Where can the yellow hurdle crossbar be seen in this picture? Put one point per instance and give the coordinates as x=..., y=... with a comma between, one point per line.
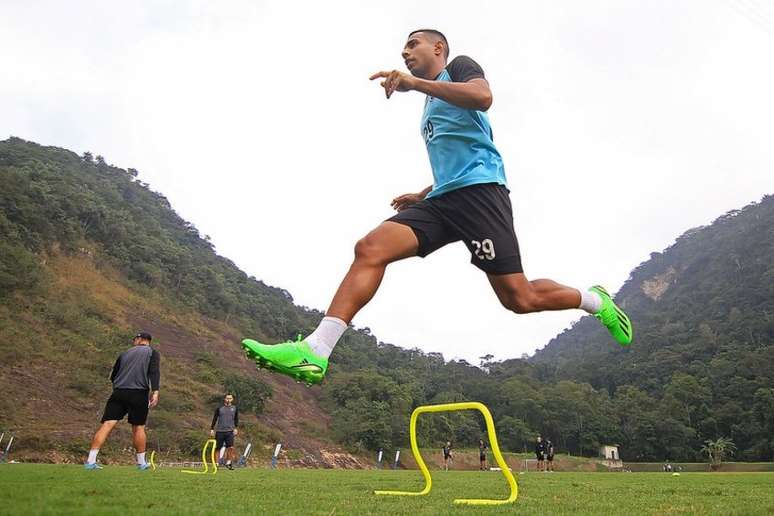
x=490, y=429
x=153, y=460
x=204, y=460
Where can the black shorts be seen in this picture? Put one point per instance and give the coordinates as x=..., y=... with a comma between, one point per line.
x=479, y=215
x=540, y=456
x=127, y=401
x=482, y=457
x=224, y=438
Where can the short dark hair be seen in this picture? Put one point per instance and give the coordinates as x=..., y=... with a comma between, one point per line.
x=439, y=35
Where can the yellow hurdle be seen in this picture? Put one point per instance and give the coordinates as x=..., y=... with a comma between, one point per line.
x=490, y=429
x=204, y=460
x=153, y=460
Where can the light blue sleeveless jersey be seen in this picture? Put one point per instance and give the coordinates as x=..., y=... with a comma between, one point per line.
x=459, y=143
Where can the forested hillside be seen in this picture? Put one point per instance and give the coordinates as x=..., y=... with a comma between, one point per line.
x=89, y=254
x=702, y=364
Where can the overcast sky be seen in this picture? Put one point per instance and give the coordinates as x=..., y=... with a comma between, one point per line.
x=621, y=123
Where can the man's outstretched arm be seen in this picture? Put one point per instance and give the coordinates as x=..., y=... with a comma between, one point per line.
x=473, y=94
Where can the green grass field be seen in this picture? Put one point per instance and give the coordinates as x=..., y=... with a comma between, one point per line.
x=59, y=489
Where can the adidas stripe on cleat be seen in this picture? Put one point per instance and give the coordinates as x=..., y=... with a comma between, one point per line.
x=613, y=318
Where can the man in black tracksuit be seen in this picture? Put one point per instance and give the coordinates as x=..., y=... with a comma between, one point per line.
x=540, y=453
x=135, y=376
x=224, y=427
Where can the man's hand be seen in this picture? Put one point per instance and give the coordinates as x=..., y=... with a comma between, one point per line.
x=395, y=81
x=154, y=399
x=236, y=432
x=212, y=433
x=402, y=202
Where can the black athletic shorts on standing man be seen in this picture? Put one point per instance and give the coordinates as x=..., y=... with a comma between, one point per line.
x=479, y=215
x=224, y=438
x=127, y=401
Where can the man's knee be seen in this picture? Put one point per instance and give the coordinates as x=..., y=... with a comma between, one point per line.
x=109, y=424
x=369, y=250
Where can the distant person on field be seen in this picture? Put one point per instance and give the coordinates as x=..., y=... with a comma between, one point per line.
x=549, y=455
x=540, y=453
x=447, y=455
x=482, y=455
x=224, y=428
x=135, y=376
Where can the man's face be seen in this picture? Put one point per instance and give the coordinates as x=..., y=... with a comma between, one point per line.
x=540, y=439
x=228, y=400
x=419, y=54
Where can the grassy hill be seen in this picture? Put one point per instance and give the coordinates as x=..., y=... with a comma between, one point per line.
x=81, y=269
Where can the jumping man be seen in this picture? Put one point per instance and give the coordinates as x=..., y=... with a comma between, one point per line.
x=468, y=201
x=135, y=373
x=224, y=427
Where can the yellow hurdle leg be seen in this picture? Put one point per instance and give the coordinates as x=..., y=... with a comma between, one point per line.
x=490, y=428
x=212, y=456
x=417, y=457
x=204, y=460
x=153, y=460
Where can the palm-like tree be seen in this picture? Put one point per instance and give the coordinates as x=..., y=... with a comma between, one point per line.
x=718, y=450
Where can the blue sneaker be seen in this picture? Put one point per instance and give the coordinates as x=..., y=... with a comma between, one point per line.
x=93, y=465
x=143, y=467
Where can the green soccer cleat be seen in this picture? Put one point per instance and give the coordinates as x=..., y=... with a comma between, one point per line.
x=294, y=359
x=614, y=319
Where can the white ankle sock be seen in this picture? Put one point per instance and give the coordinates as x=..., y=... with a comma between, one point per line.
x=141, y=458
x=92, y=456
x=590, y=301
x=324, y=338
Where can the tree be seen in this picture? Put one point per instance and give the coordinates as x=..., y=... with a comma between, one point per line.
x=717, y=450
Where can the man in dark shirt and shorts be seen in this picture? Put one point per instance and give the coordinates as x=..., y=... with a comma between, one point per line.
x=224, y=427
x=482, y=455
x=549, y=455
x=447, y=455
x=135, y=373
x=540, y=454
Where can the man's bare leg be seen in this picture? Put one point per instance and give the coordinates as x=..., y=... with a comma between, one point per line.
x=138, y=438
x=522, y=296
x=102, y=434
x=307, y=359
x=388, y=243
